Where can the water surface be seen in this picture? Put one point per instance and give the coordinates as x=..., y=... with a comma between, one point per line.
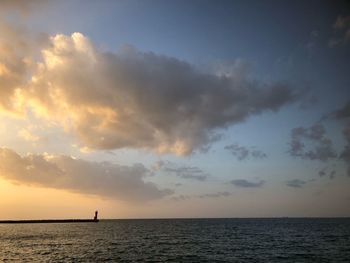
x=179, y=240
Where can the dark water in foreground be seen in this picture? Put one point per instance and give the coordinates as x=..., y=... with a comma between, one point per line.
x=179, y=240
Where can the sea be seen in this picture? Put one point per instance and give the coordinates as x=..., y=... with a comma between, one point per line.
x=179, y=240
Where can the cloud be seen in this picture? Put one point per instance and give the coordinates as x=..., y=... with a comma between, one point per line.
x=134, y=99
x=215, y=195
x=345, y=156
x=319, y=145
x=342, y=22
x=17, y=51
x=63, y=172
x=247, y=184
x=341, y=30
x=184, y=172
x=257, y=154
x=343, y=115
x=243, y=153
x=202, y=196
x=27, y=135
x=296, y=183
x=323, y=172
x=181, y=197
x=313, y=144
x=23, y=6
x=311, y=45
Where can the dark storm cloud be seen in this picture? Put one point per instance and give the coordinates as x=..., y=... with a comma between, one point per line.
x=320, y=146
x=63, y=172
x=243, y=153
x=184, y=172
x=296, y=183
x=247, y=184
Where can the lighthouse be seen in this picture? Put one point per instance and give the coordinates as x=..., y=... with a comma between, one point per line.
x=95, y=217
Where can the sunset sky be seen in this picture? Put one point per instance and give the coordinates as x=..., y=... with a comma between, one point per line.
x=148, y=109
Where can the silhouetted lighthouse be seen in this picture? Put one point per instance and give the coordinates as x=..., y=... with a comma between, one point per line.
x=95, y=217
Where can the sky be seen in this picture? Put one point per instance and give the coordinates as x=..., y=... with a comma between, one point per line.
x=172, y=109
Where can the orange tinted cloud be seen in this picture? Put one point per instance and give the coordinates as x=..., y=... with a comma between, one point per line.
x=137, y=100
x=104, y=179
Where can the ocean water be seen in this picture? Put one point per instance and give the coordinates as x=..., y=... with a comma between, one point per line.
x=179, y=240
